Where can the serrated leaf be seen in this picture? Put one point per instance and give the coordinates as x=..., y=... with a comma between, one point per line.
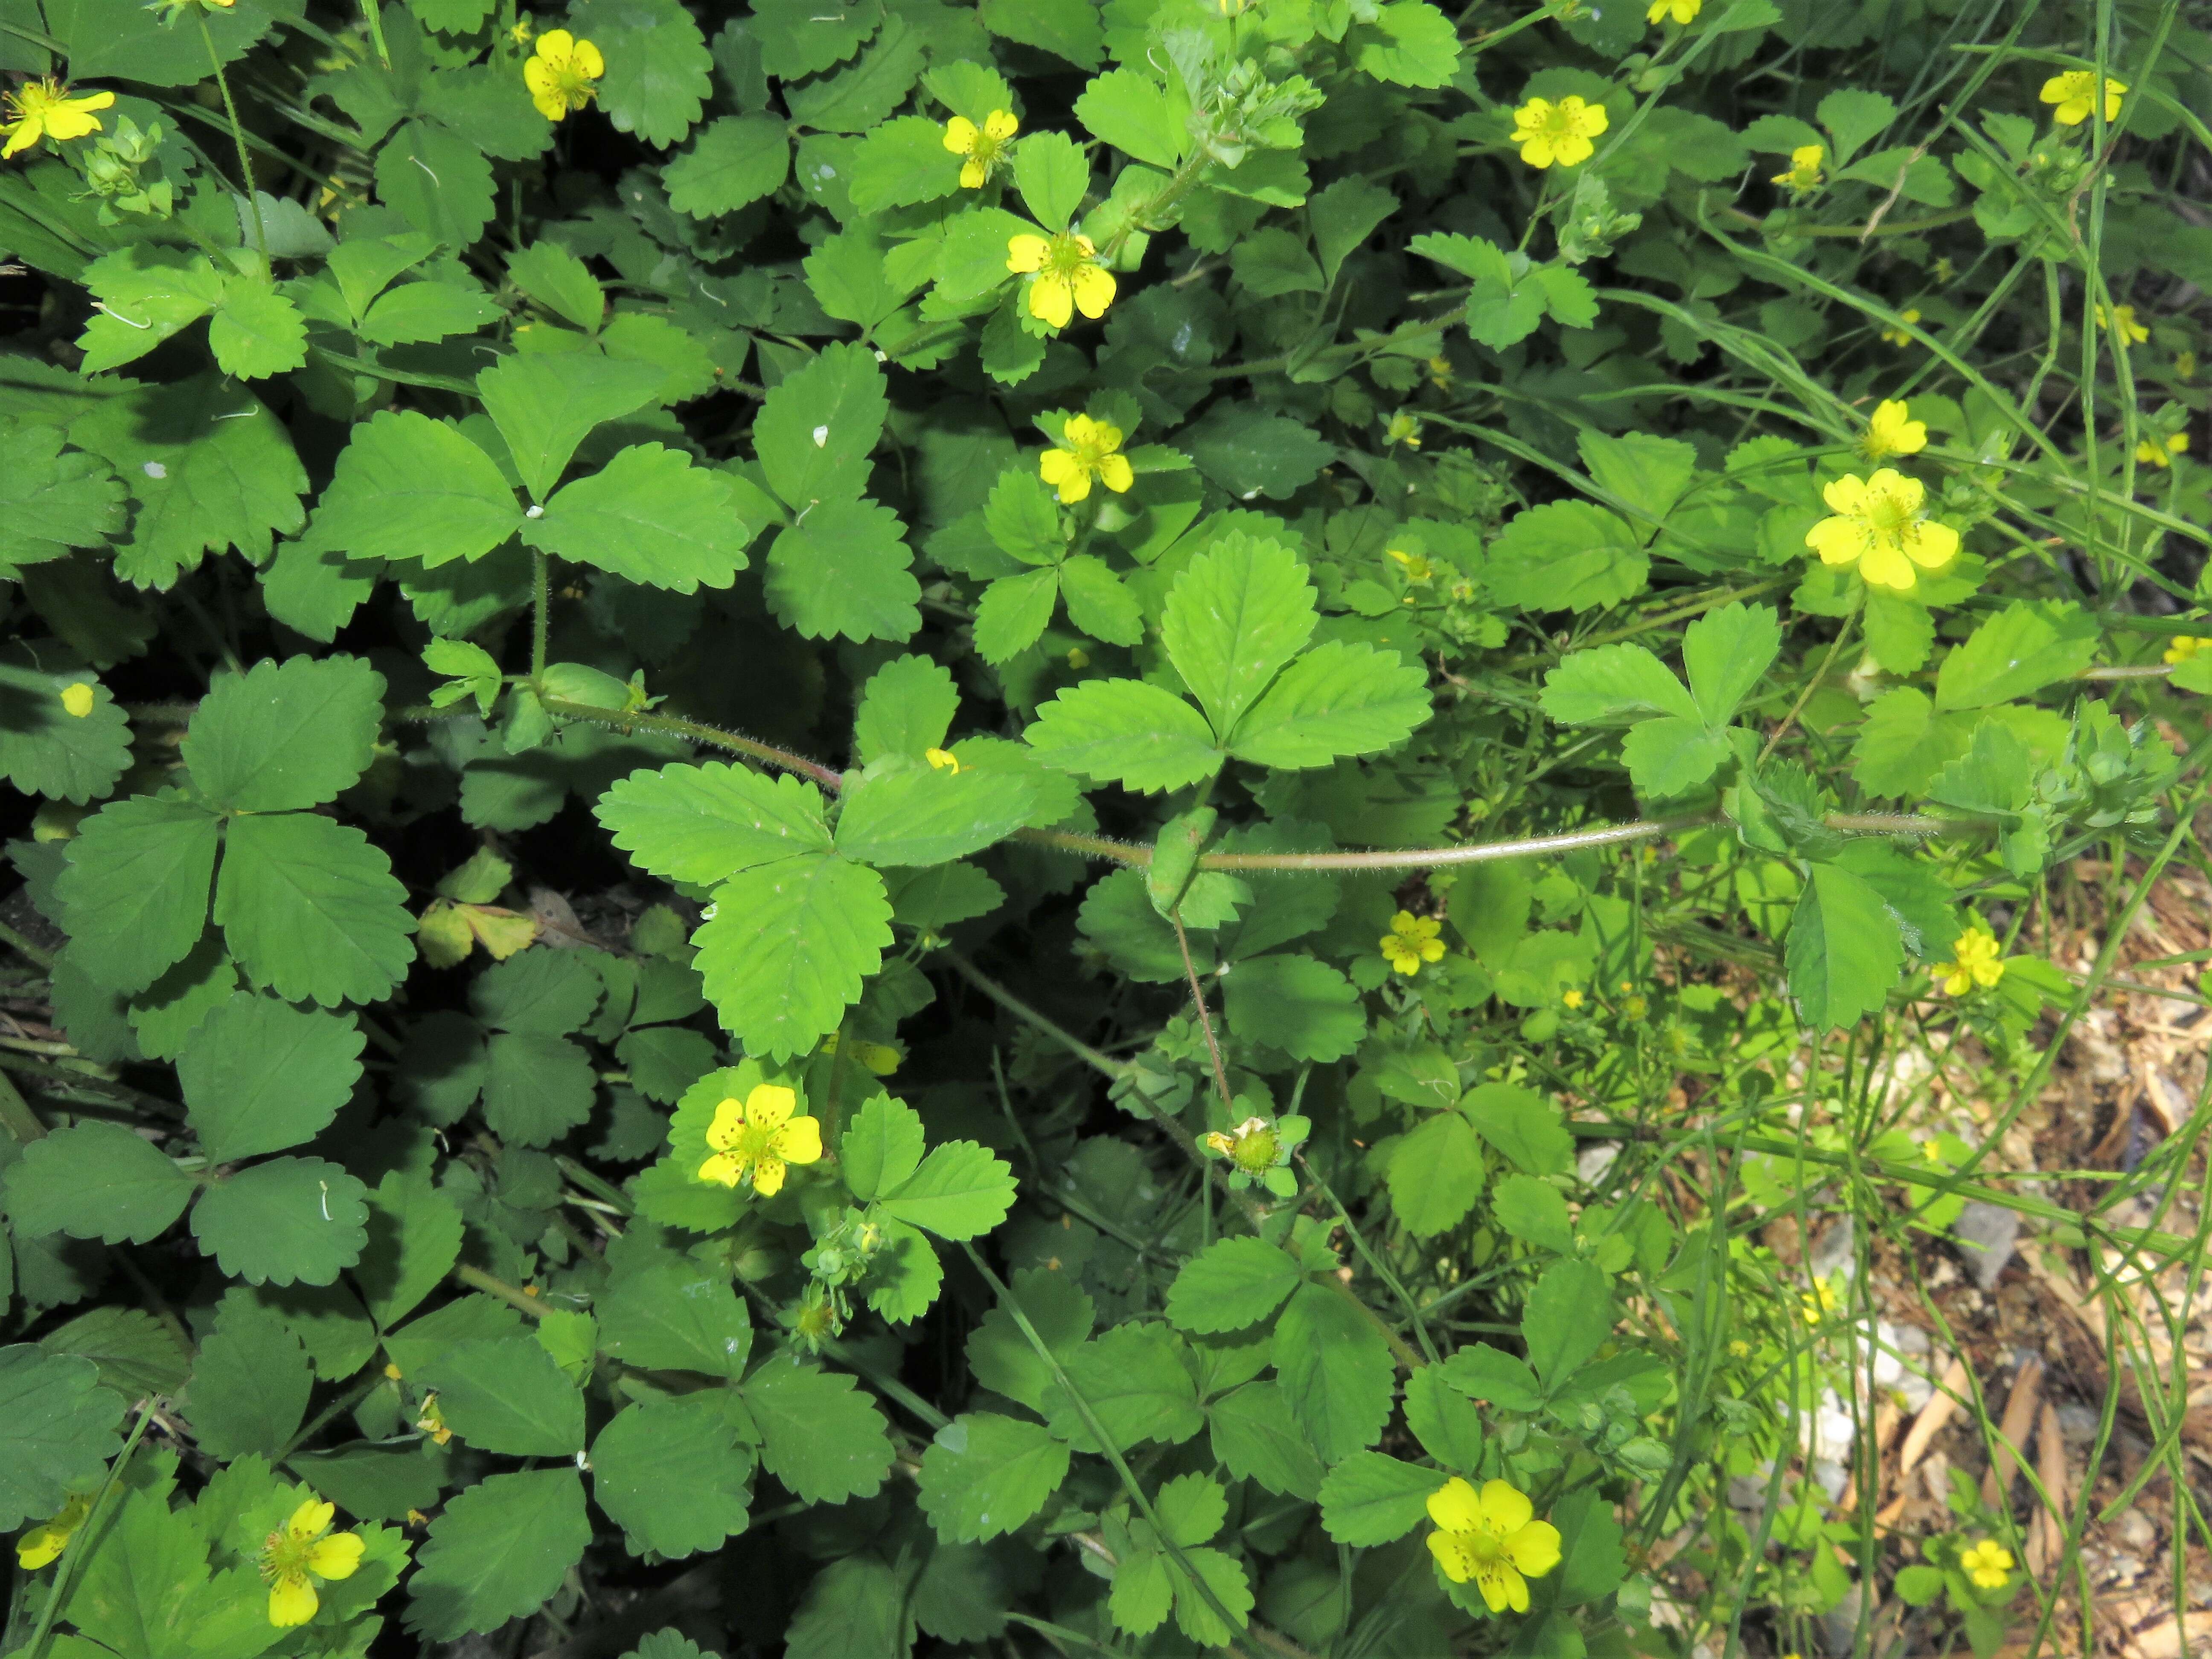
x=1444, y=1420
x=671, y=1474
x=961, y=1191
x=289, y=1221
x=1053, y=176
x=1235, y=616
x=256, y=332
x=921, y=815
x=1726, y=653
x=250, y=1382
x=311, y=909
x=1127, y=732
x=56, y=1430
x=704, y=824
x=135, y=895
x=499, y=1551
x=536, y=1087
x=1409, y=44
x=507, y=1395
x=1905, y=742
x=985, y=1475
x=1483, y=1372
x=733, y=161
x=1522, y=1125
x=52, y=499
x=1231, y=1284
x=436, y=179
x=650, y=516
x=1335, y=1372
x=545, y=406
x=789, y=947
x=1843, y=952
x=1613, y=683
x=1134, y=113
x=881, y=1147
x=675, y=1316
x=1247, y=451
x=414, y=1239
x=657, y=61
x=1566, y=556
x=1852, y=116
x=1436, y=1173
x=285, y=735
x=1338, y=699
x=259, y=1075
x=906, y=709
x=1001, y=1356
x=1646, y=474
x=408, y=487
x=1254, y=1435
x=816, y=430
x=1296, y=1004
x=1371, y=1498
x=819, y=1435
x=1568, y=1318
x=845, y=570
x=2021, y=649
x=1669, y=757
x=1013, y=611
x=45, y=749
x=856, y=97
x=95, y=1180
x=557, y=280
x=1133, y=1380
x=136, y=1353
x=415, y=313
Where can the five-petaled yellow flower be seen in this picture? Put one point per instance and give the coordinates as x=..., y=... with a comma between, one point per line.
x=77, y=699
x=1091, y=451
x=1684, y=12
x=1558, y=133
x=2151, y=453
x=1898, y=335
x=1878, y=526
x=2072, y=92
x=44, y=109
x=1066, y=276
x=941, y=760
x=561, y=73
x=2123, y=316
x=1988, y=1563
x=982, y=145
x=1977, y=960
x=759, y=1138
x=1492, y=1538
x=2182, y=648
x=1571, y=998
x=1889, y=432
x=46, y=1540
x=522, y=32
x=298, y=1553
x=1412, y=941
x=1804, y=171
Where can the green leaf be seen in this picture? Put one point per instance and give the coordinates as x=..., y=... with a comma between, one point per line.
x=704, y=824
x=136, y=1353
x=1066, y=28
x=546, y=991
x=845, y=569
x=819, y=1435
x=536, y=1087
x=1409, y=44
x=53, y=499
x=1569, y=1316
x=135, y=895
x=1334, y=1370
x=906, y=709
x=95, y=1180
x=289, y=1221
x=1443, y=1419
x=415, y=313
x=1646, y=474
x=507, y=1395
x=256, y=332
x=1014, y=611
x=1127, y=732
x=1853, y=116
x=797, y=37
x=853, y=281
x=1246, y=451
x=1255, y=1437
x=1296, y=1004
x=675, y=1316
x=1144, y=1591
x=1726, y=653
x=1136, y=1384
x=1231, y=1284
x=1436, y=1173
x=857, y=98
x=250, y=1382
x=1522, y=1125
x=1344, y=216
x=311, y=909
x=285, y=735
x=1591, y=1560
x=1919, y=899
x=1371, y=1498
x=438, y=181
x=1670, y=756
x=649, y=516
x=57, y=1431
x=1482, y=1372
x=1135, y=114
x=499, y=1551
x=545, y=406
x=985, y=1475
x=816, y=430
x=881, y=1147
x=961, y=1191
x=45, y=750
x=733, y=161
x=1905, y=742
x=1099, y=602
x=788, y=947
x=1613, y=683
x=921, y=814
x=408, y=487
x=140, y=1572
x=414, y=1239
x=557, y=280
x=1235, y=616
x=260, y=1075
x=656, y=82
x=1002, y=1357
x=1845, y=951
x=1338, y=699
x=1566, y=556
x=902, y=163
x=2021, y=649
x=145, y=296
x=1053, y=176
x=671, y=1474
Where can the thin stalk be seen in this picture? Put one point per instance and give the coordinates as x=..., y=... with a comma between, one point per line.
x=237, y=136
x=541, y=609
x=17, y=942
x=1204, y=1019
x=16, y=1113
x=86, y=1533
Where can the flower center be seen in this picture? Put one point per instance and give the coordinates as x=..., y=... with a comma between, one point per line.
x=1889, y=516
x=753, y=1141
x=1065, y=254
x=1255, y=1150
x=283, y=1556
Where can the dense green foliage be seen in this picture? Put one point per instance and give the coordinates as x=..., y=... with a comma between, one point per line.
x=697, y=690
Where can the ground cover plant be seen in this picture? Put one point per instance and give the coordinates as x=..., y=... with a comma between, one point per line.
x=861, y=827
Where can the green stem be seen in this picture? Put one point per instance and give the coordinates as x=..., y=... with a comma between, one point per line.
x=16, y=1112
x=640, y=721
x=376, y=32
x=237, y=136
x=85, y=1535
x=15, y=941
x=541, y=607
x=1013, y=1005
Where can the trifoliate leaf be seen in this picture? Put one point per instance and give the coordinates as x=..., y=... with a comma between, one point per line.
x=845, y=569
x=134, y=897
x=1566, y=556
x=819, y=1435
x=57, y=1431
x=545, y=406
x=1127, y=732
x=507, y=1395
x=292, y=1220
x=1905, y=742
x=1669, y=757
x=985, y=1475
x=1334, y=1370
x=1338, y=699
x=789, y=947
x=733, y=161
x=1134, y=1381
x=250, y=1381
x=1370, y=1498
x=657, y=61
x=1231, y=1284
x=312, y=910
x=671, y=1474
x=1296, y=1004
x=961, y=1191
x=499, y=1550
x=259, y=1075
x=676, y=1316
x=1013, y=611
x=285, y=735
x=437, y=180
x=648, y=516
x=704, y=824
x=1843, y=952
x=1237, y=613
x=48, y=749
x=917, y=814
x=256, y=332
x=52, y=499
x=95, y=1180
x=816, y=430
x=408, y=487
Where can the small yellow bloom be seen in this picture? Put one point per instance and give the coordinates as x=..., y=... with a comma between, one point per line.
x=1066, y=276
x=560, y=75
x=760, y=1138
x=2130, y=330
x=1804, y=174
x=1878, y=526
x=942, y=760
x=1440, y=373
x=1684, y=12
x=1817, y=1304
x=2182, y=648
x=391, y=1373
x=2185, y=365
x=77, y=699
x=1492, y=1538
x=432, y=1421
x=1419, y=571
x=1560, y=133
x=1078, y=657
x=1898, y=335
x=44, y=109
x=983, y=146
x=2150, y=453
x=522, y=32
x=1404, y=428
x=46, y=1540
x=1977, y=961
x=297, y=1554
x=1412, y=941
x=1890, y=433
x=2073, y=93
x=1092, y=452
x=1988, y=1563
x=1571, y=998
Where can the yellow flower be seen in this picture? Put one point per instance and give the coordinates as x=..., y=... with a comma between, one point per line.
x=2130, y=330
x=298, y=1553
x=1977, y=961
x=2183, y=648
x=560, y=74
x=44, y=109
x=1412, y=941
x=1092, y=452
x=1440, y=373
x=1492, y=1539
x=1404, y=428
x=941, y=760
x=982, y=146
x=522, y=32
x=1889, y=433
x=432, y=1421
x=77, y=699
x=1561, y=132
x=1898, y=335
x=46, y=1540
x=1684, y=12
x=760, y=1137
x=1818, y=1302
x=2149, y=451
x=1804, y=171
x=1879, y=527
x=1419, y=571
x=2073, y=91
x=1571, y=998
x=1987, y=1562
x=1066, y=276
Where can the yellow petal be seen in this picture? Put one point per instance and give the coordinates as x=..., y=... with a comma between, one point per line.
x=1026, y=253
x=337, y=1556
x=1491, y=1580
x=1051, y=301
x=36, y=1547
x=292, y=1601
x=724, y=1168
x=1057, y=466
x=972, y=174
x=1890, y=481
x=556, y=44
x=1094, y=291
x=768, y=1177
x=1454, y=1506
x=770, y=1104
x=1505, y=1508
x=1932, y=545
x=798, y=1141
x=1080, y=430
x=1535, y=1548
x=960, y=136
x=1000, y=125
x=1538, y=152
x=588, y=60
x=1115, y=473
x=312, y=1518
x=1844, y=494
x=77, y=699
x=539, y=76
x=1884, y=565
x=729, y=1123
x=551, y=106
x=1453, y=1556
x=24, y=134
x=1837, y=541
